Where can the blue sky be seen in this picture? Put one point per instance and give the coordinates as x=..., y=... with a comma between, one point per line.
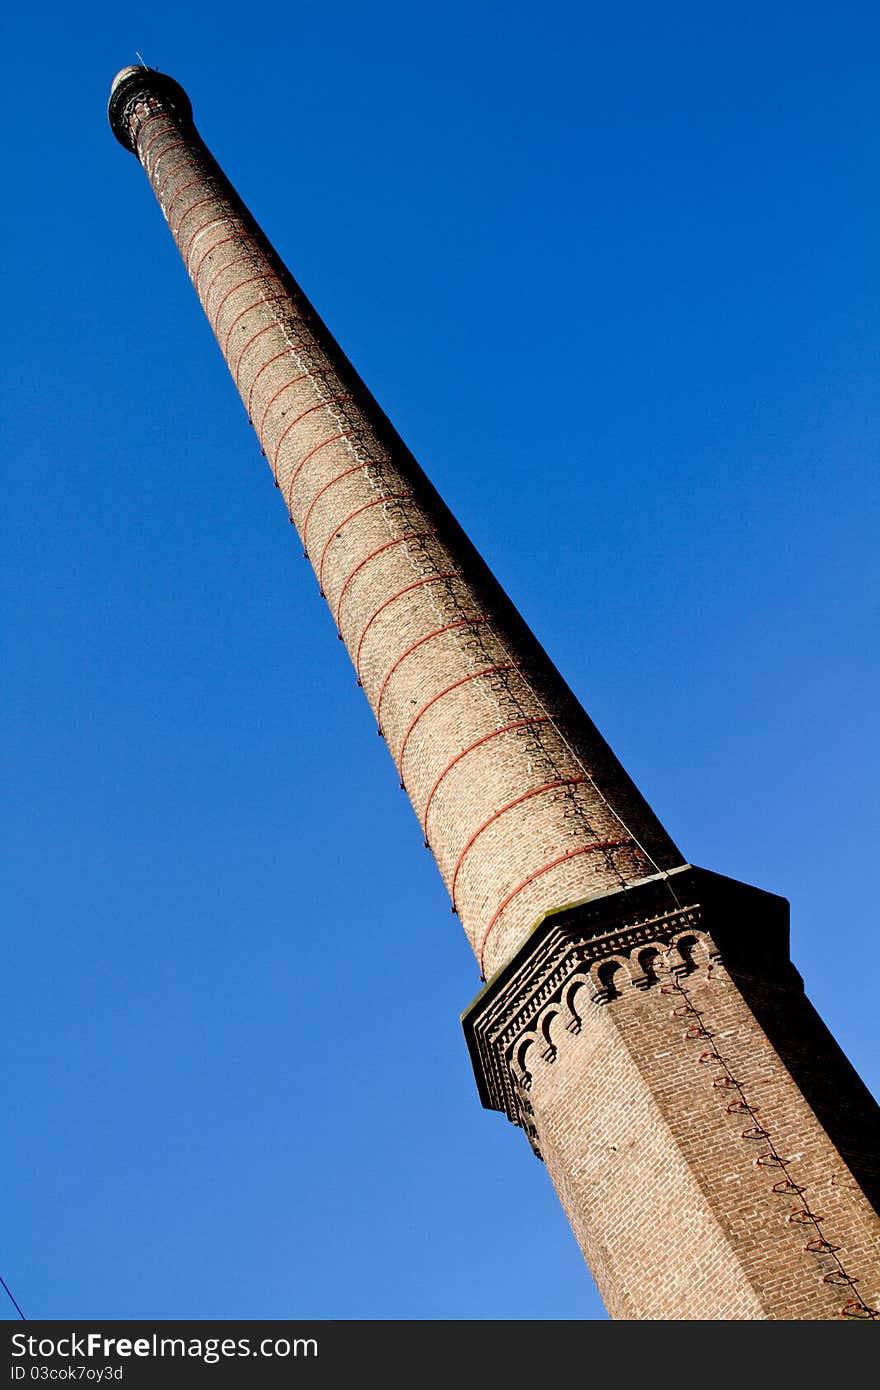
x=237, y=1083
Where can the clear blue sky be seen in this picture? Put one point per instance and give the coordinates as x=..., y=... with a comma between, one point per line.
x=237, y=1086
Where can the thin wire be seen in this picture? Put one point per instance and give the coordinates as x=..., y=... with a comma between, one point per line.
x=9, y=1291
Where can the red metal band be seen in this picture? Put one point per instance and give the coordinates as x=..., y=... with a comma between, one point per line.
x=356, y=468
x=429, y=579
x=545, y=869
x=331, y=400
x=180, y=192
x=221, y=270
x=224, y=241
x=156, y=116
x=294, y=381
x=199, y=204
x=375, y=502
x=184, y=251
x=251, y=280
x=505, y=729
x=399, y=540
x=474, y=675
x=161, y=184
x=517, y=801
x=429, y=636
x=258, y=304
x=343, y=434
x=267, y=327
x=178, y=145
x=142, y=155
x=291, y=347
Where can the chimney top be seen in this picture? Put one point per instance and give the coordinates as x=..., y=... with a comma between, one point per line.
x=140, y=81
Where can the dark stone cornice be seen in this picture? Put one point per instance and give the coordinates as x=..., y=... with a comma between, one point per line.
x=748, y=929
x=137, y=84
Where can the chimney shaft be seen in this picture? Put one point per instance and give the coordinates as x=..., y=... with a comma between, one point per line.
x=520, y=799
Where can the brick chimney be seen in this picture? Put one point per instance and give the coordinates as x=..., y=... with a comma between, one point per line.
x=642, y=1021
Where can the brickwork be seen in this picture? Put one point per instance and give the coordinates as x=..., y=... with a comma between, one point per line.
x=697, y=1177
x=741, y=1169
